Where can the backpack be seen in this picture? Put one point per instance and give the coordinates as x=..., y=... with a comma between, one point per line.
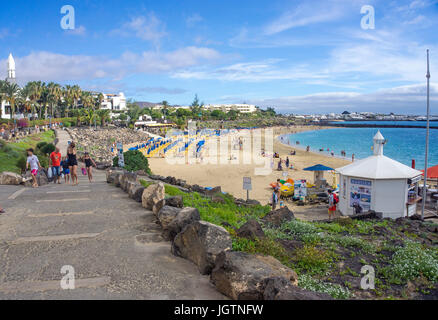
x=335, y=199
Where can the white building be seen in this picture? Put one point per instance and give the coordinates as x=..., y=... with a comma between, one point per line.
x=379, y=183
x=114, y=101
x=10, y=77
x=242, y=108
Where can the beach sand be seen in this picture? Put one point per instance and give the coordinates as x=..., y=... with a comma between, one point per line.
x=230, y=176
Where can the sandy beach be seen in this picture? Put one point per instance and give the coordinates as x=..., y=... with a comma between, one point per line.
x=230, y=176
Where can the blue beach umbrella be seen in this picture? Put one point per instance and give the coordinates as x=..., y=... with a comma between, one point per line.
x=318, y=167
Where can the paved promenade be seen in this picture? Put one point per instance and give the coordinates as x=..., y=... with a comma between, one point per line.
x=113, y=244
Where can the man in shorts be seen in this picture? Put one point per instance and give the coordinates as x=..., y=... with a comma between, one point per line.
x=332, y=204
x=34, y=163
x=55, y=159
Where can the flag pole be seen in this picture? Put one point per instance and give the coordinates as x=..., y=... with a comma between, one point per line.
x=427, y=141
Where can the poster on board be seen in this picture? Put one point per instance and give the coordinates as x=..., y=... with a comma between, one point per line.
x=360, y=194
x=300, y=188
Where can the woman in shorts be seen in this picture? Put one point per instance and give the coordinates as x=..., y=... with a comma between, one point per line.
x=73, y=163
x=89, y=163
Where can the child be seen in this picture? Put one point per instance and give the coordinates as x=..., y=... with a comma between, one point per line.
x=89, y=163
x=34, y=163
x=65, y=170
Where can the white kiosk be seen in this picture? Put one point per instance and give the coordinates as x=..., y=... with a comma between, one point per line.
x=378, y=183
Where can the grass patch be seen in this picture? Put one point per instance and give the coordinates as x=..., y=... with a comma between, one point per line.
x=313, y=260
x=12, y=153
x=215, y=212
x=264, y=247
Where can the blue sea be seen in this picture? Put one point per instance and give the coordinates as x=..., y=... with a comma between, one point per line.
x=403, y=144
x=393, y=123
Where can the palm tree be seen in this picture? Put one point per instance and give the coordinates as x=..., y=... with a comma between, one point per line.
x=165, y=107
x=44, y=100
x=54, y=96
x=35, y=88
x=76, y=94
x=2, y=94
x=68, y=98
x=104, y=115
x=24, y=99
x=88, y=104
x=11, y=91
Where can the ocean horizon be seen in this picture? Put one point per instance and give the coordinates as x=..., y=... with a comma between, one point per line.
x=403, y=144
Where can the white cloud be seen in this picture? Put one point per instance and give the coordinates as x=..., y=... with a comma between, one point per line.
x=49, y=66
x=148, y=28
x=306, y=13
x=264, y=70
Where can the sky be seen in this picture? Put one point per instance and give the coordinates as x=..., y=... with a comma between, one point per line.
x=301, y=57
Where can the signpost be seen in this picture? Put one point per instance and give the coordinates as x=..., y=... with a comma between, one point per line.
x=120, y=154
x=427, y=140
x=247, y=185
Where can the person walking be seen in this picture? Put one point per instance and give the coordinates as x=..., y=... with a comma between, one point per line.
x=274, y=199
x=89, y=163
x=65, y=170
x=55, y=161
x=287, y=162
x=73, y=163
x=34, y=163
x=332, y=204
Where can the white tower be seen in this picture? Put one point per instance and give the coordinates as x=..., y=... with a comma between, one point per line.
x=11, y=69
x=379, y=141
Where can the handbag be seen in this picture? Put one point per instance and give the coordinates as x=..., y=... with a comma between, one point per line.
x=84, y=171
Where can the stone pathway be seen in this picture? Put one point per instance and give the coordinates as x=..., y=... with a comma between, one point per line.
x=113, y=244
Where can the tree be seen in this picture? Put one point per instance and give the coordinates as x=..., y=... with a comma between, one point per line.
x=76, y=94
x=165, y=110
x=218, y=114
x=104, y=115
x=54, y=96
x=11, y=92
x=2, y=94
x=134, y=111
x=232, y=114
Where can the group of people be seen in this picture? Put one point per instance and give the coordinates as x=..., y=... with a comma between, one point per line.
x=60, y=166
x=286, y=162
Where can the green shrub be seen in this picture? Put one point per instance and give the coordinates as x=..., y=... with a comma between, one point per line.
x=412, y=261
x=134, y=161
x=335, y=290
x=41, y=145
x=21, y=163
x=66, y=124
x=48, y=148
x=313, y=260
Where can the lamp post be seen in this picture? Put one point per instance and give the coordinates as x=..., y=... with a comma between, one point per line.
x=427, y=140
